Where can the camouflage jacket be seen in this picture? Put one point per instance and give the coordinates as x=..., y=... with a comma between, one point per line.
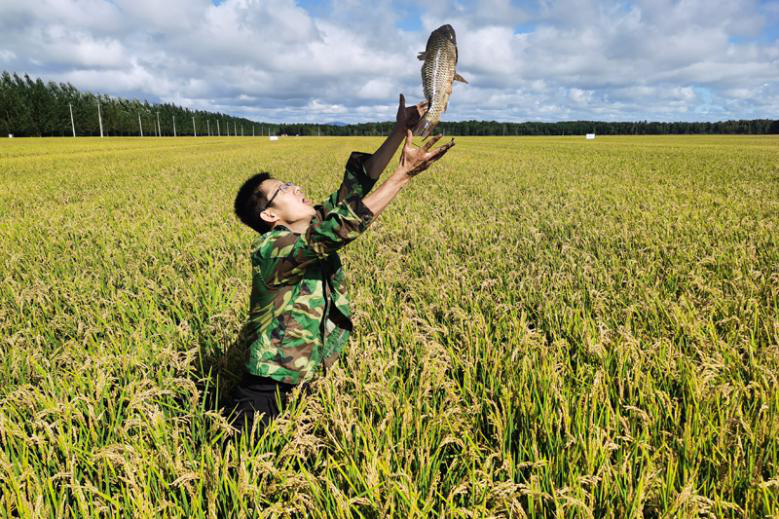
x=299, y=317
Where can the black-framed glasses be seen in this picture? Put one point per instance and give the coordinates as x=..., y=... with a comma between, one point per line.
x=282, y=188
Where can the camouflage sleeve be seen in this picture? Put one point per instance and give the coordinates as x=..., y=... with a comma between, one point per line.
x=284, y=259
x=356, y=181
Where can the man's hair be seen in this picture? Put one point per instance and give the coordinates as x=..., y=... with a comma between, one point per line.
x=250, y=201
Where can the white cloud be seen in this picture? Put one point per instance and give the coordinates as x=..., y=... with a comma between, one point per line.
x=274, y=60
x=60, y=45
x=579, y=96
x=377, y=89
x=324, y=108
x=741, y=93
x=7, y=55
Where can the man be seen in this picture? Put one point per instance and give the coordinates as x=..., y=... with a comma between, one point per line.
x=299, y=318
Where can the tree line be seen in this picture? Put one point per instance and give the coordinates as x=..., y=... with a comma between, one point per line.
x=30, y=107
x=751, y=127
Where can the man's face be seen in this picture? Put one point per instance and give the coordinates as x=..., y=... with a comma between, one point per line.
x=289, y=204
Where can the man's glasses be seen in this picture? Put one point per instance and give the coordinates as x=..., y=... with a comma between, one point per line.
x=282, y=188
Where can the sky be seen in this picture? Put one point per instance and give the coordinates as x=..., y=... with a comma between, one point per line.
x=347, y=60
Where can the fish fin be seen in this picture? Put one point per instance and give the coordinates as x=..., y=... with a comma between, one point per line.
x=421, y=56
x=458, y=77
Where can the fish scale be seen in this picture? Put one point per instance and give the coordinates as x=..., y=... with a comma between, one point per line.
x=438, y=73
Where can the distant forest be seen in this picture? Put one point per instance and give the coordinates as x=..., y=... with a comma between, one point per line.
x=31, y=108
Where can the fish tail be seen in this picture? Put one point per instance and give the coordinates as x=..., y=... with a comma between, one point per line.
x=423, y=128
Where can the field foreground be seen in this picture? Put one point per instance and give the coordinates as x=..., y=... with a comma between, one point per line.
x=544, y=327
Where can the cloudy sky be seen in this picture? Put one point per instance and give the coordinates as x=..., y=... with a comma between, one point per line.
x=347, y=60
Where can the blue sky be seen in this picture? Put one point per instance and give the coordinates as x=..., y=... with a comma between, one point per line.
x=347, y=60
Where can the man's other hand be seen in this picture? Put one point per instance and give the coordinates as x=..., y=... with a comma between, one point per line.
x=407, y=118
x=416, y=159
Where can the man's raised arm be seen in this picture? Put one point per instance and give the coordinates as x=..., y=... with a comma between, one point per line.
x=363, y=169
x=406, y=119
x=285, y=259
x=413, y=160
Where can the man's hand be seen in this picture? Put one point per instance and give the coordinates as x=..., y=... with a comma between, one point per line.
x=416, y=159
x=408, y=118
x=413, y=160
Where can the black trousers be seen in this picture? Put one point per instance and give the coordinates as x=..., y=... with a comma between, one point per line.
x=260, y=394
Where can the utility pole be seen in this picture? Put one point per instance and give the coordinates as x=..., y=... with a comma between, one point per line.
x=140, y=126
x=100, y=119
x=72, y=124
x=174, y=125
x=241, y=130
x=235, y=129
x=218, y=133
x=194, y=128
x=159, y=131
x=208, y=124
x=252, y=130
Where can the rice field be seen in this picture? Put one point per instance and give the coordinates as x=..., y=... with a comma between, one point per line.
x=545, y=327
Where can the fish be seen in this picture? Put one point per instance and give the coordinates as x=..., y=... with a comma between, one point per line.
x=438, y=73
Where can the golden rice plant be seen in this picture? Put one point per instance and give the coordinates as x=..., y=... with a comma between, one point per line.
x=545, y=327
